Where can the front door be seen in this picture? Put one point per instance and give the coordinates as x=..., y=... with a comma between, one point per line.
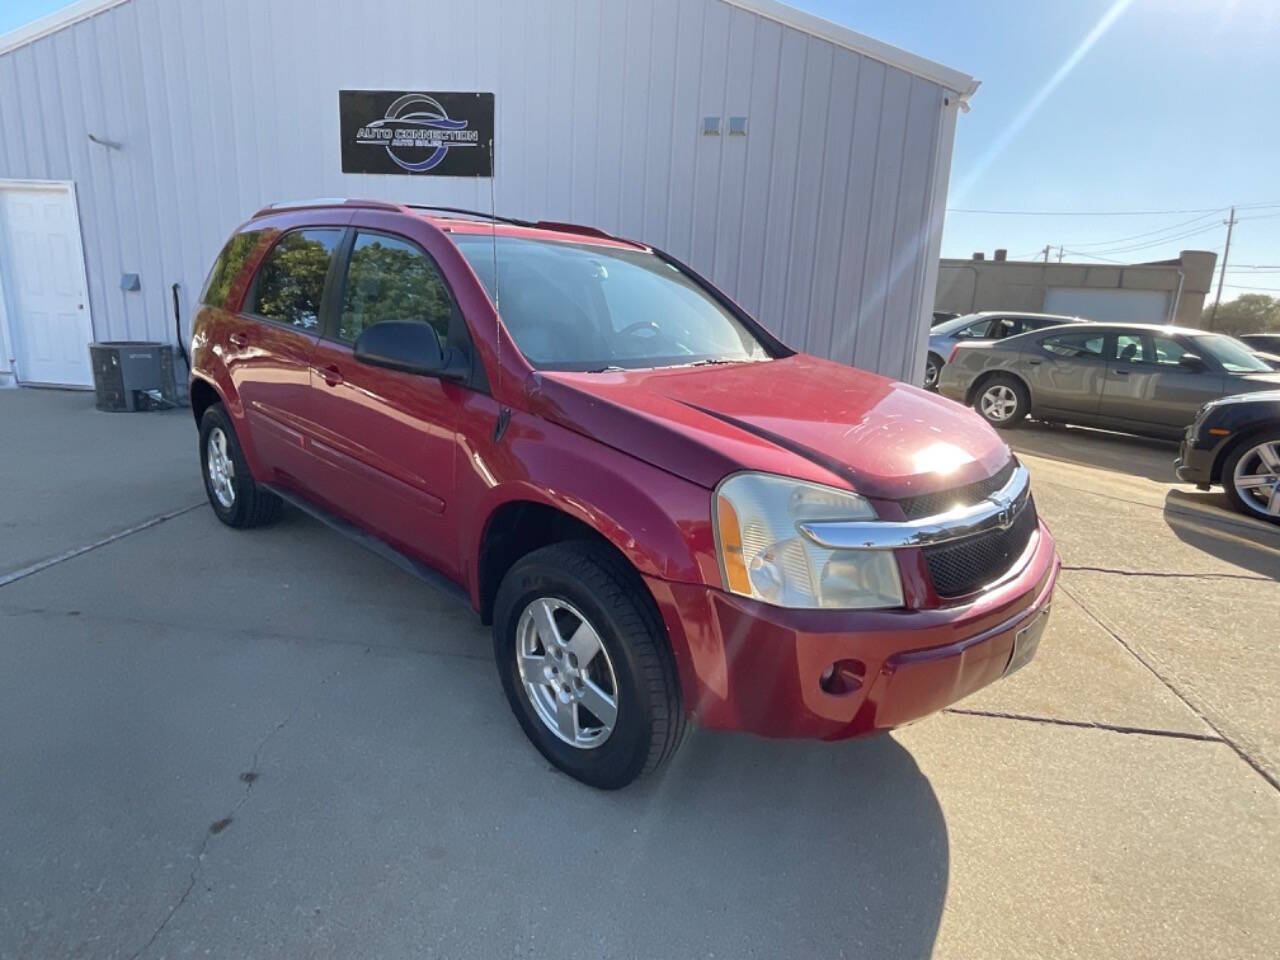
x=1148, y=386
x=384, y=440
x=43, y=280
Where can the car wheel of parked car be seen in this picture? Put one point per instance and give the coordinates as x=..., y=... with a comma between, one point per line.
x=1251, y=477
x=1002, y=401
x=585, y=663
x=932, y=370
x=235, y=498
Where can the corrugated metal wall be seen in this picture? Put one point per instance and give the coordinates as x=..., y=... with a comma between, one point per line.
x=820, y=220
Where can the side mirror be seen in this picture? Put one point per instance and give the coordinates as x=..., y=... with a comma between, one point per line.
x=1191, y=363
x=409, y=347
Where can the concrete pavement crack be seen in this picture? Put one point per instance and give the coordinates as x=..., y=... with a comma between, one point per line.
x=1240, y=751
x=1086, y=724
x=248, y=778
x=74, y=552
x=1171, y=575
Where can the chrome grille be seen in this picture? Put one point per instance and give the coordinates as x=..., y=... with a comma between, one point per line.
x=961, y=567
x=930, y=504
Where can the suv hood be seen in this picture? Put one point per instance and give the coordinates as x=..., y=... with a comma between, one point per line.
x=798, y=416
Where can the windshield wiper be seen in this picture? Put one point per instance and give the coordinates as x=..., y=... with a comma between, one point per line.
x=611, y=368
x=715, y=361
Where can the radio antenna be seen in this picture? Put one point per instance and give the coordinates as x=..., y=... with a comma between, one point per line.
x=493, y=239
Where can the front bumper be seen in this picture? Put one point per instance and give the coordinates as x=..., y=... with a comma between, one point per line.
x=749, y=666
x=1195, y=463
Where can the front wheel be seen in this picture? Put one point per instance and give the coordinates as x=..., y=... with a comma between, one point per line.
x=585, y=664
x=1002, y=401
x=1251, y=477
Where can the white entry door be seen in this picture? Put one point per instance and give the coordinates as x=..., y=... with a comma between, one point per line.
x=47, y=297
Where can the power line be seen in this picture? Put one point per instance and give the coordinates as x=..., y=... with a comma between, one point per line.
x=1162, y=241
x=1110, y=213
x=1248, y=286
x=1138, y=236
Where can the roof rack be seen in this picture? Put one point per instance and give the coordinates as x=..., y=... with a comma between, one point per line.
x=555, y=225
x=481, y=215
x=326, y=202
x=478, y=214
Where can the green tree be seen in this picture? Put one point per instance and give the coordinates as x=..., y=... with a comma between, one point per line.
x=1247, y=313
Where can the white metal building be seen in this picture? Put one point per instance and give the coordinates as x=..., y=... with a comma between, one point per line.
x=135, y=134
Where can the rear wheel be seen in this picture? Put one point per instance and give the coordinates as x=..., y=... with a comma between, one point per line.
x=932, y=370
x=1251, y=477
x=235, y=497
x=585, y=664
x=1002, y=401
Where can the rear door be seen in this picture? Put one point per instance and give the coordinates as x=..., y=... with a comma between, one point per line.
x=1147, y=385
x=269, y=345
x=1066, y=371
x=385, y=440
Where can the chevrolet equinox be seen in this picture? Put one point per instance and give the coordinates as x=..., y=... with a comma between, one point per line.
x=666, y=514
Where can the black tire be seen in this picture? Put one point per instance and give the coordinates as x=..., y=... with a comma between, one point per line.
x=932, y=370
x=1014, y=405
x=1246, y=503
x=251, y=505
x=651, y=721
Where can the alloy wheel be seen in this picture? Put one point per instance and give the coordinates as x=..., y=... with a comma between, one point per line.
x=1257, y=478
x=932, y=369
x=222, y=472
x=566, y=673
x=998, y=402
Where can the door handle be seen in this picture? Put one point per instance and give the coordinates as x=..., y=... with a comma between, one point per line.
x=1122, y=373
x=239, y=339
x=330, y=374
x=1035, y=363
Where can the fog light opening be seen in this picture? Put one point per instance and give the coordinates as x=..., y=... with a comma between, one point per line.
x=843, y=677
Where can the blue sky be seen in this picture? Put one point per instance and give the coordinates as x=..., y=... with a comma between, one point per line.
x=1173, y=106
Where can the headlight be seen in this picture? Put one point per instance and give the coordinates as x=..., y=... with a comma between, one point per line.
x=763, y=556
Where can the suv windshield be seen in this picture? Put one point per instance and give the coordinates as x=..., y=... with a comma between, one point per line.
x=1234, y=356
x=572, y=306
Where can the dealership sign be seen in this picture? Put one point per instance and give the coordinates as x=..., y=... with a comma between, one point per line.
x=433, y=134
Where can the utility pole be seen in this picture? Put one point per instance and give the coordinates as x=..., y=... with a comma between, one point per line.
x=1226, y=251
x=1059, y=254
x=1045, y=251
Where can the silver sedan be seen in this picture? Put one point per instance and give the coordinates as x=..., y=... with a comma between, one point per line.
x=978, y=328
x=1132, y=377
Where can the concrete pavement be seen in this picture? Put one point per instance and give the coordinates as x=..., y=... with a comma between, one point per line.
x=271, y=743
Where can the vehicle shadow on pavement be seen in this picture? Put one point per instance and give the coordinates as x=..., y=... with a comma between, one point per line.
x=1118, y=452
x=1229, y=536
x=842, y=846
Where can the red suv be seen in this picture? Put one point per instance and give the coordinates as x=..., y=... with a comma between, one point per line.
x=666, y=514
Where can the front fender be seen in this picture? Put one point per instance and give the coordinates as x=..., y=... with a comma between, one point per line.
x=661, y=523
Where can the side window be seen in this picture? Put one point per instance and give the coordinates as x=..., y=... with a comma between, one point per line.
x=290, y=281
x=974, y=331
x=1088, y=345
x=1002, y=327
x=1168, y=351
x=225, y=277
x=1128, y=348
x=392, y=279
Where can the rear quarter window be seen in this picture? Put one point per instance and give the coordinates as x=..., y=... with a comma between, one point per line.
x=232, y=271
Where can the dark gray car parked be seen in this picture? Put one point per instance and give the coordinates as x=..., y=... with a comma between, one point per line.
x=1143, y=379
